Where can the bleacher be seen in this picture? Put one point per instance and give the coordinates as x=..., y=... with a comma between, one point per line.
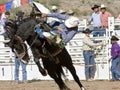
x=74, y=47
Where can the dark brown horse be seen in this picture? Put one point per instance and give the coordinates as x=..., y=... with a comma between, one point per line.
x=53, y=57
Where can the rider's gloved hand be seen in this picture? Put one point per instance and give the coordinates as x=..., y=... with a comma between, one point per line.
x=39, y=31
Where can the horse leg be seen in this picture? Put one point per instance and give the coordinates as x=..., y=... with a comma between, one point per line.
x=66, y=61
x=59, y=71
x=59, y=81
x=54, y=72
x=76, y=78
x=42, y=71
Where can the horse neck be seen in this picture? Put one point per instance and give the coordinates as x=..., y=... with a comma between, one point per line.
x=26, y=29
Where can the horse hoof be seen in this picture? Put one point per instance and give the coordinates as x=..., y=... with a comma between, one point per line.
x=44, y=72
x=82, y=88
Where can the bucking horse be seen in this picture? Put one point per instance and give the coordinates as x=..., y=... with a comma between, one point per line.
x=53, y=57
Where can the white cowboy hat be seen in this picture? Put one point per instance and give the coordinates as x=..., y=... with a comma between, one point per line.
x=62, y=11
x=72, y=22
x=70, y=12
x=54, y=7
x=103, y=6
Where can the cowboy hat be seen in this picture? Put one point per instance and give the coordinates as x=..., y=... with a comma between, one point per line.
x=70, y=12
x=72, y=22
x=114, y=38
x=87, y=31
x=54, y=7
x=102, y=6
x=95, y=6
x=62, y=11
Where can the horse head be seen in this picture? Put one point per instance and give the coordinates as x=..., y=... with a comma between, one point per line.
x=16, y=42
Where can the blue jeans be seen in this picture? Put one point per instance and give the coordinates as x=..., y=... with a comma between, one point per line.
x=98, y=32
x=114, y=70
x=90, y=67
x=18, y=62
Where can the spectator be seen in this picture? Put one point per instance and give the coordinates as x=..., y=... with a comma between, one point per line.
x=52, y=20
x=70, y=12
x=18, y=62
x=104, y=16
x=61, y=11
x=118, y=16
x=95, y=18
x=115, y=53
x=88, y=53
x=4, y=18
x=54, y=9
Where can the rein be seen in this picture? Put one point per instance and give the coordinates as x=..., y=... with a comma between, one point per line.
x=22, y=43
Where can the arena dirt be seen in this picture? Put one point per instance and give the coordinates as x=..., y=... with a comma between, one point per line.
x=51, y=85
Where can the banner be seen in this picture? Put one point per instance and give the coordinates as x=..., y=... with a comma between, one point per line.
x=2, y=8
x=24, y=1
x=8, y=6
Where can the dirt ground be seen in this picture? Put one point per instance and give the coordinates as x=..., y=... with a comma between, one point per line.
x=50, y=85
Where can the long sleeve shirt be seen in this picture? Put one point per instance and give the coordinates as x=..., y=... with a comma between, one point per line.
x=115, y=50
x=104, y=18
x=88, y=44
x=95, y=18
x=59, y=16
x=66, y=33
x=3, y=20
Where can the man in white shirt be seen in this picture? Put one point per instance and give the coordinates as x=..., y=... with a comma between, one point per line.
x=88, y=54
x=3, y=21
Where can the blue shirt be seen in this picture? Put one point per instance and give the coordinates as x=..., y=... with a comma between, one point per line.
x=67, y=33
x=59, y=16
x=96, y=19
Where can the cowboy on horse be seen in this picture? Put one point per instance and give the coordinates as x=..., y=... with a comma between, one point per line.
x=63, y=32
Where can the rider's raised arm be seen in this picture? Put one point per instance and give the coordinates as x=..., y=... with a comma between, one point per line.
x=58, y=15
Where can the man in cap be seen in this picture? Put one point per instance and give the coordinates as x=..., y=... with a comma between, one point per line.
x=88, y=53
x=95, y=18
x=66, y=29
x=70, y=12
x=61, y=11
x=104, y=16
x=115, y=53
x=54, y=9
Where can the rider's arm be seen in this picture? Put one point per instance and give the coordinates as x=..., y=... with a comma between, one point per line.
x=58, y=15
x=67, y=35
